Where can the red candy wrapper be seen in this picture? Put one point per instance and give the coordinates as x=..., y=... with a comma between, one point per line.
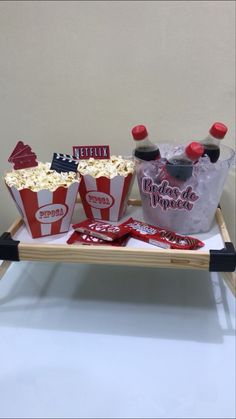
x=101, y=229
x=160, y=237
x=86, y=239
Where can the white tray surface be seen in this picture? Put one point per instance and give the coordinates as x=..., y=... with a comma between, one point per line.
x=212, y=239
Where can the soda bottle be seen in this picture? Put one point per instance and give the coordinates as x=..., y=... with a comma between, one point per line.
x=144, y=148
x=180, y=167
x=212, y=141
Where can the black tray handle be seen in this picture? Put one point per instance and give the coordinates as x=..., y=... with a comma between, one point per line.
x=9, y=248
x=223, y=260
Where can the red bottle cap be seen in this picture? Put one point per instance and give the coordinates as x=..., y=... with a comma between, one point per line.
x=139, y=132
x=194, y=150
x=218, y=130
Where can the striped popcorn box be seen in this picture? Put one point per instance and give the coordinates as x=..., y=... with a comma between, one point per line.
x=104, y=198
x=46, y=212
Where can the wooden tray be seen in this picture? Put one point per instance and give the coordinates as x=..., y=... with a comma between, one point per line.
x=136, y=253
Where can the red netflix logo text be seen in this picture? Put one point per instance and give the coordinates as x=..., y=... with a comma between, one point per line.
x=92, y=151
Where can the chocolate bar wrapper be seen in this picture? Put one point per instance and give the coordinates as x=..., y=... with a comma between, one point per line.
x=160, y=237
x=102, y=230
x=88, y=240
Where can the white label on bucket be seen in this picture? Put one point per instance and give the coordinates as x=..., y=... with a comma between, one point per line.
x=167, y=196
x=51, y=213
x=100, y=200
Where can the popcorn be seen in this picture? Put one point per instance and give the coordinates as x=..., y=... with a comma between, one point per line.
x=109, y=168
x=40, y=177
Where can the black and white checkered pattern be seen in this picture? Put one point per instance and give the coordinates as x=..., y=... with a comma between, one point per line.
x=64, y=163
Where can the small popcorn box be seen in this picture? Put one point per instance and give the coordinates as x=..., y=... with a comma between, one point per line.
x=46, y=212
x=104, y=198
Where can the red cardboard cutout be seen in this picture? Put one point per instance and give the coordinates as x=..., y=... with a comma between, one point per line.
x=22, y=156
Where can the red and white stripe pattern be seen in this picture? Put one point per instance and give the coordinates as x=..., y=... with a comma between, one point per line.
x=46, y=213
x=104, y=198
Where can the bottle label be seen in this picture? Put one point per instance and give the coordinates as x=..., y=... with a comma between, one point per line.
x=167, y=197
x=147, y=154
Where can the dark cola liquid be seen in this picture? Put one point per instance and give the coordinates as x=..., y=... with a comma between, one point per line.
x=146, y=154
x=180, y=169
x=212, y=151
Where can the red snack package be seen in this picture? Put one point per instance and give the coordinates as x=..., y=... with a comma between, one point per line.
x=86, y=239
x=162, y=238
x=101, y=229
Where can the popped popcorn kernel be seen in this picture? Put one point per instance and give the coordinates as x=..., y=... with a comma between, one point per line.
x=40, y=177
x=116, y=165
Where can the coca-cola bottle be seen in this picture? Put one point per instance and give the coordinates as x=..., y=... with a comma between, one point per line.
x=212, y=141
x=180, y=166
x=144, y=148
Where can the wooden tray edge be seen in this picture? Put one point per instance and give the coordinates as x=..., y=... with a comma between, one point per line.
x=121, y=256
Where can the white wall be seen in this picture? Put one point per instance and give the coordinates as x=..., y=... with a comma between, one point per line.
x=86, y=72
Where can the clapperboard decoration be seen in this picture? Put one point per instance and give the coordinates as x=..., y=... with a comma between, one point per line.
x=84, y=152
x=22, y=156
x=64, y=163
